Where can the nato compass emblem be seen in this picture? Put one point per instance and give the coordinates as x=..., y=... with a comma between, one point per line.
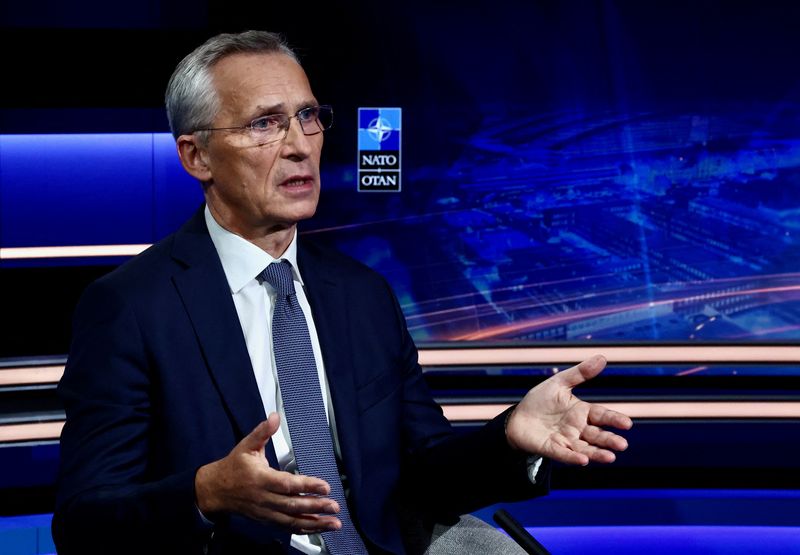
x=379, y=132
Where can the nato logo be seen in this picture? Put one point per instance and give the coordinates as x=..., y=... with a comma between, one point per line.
x=379, y=142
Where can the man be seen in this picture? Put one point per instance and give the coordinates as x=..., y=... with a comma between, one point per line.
x=184, y=433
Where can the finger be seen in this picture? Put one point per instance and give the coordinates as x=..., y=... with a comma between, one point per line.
x=592, y=452
x=601, y=416
x=586, y=370
x=301, y=524
x=321, y=524
x=602, y=456
x=576, y=451
x=258, y=438
x=286, y=483
x=559, y=449
x=294, y=505
x=603, y=438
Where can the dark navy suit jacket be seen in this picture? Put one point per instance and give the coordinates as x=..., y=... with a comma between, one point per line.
x=159, y=383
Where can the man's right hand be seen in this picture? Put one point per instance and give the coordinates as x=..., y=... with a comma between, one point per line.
x=244, y=483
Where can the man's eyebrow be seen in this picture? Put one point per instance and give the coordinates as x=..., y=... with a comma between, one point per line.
x=307, y=104
x=272, y=109
x=281, y=108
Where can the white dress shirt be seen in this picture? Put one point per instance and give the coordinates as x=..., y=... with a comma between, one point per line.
x=242, y=262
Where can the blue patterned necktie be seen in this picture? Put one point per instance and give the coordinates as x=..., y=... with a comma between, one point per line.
x=303, y=405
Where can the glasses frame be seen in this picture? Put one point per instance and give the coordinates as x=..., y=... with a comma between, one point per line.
x=284, y=124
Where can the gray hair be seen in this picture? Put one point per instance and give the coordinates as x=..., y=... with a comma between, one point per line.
x=191, y=98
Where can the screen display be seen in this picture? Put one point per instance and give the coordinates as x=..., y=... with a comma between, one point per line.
x=624, y=172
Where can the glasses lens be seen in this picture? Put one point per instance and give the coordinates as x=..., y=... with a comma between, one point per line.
x=315, y=119
x=269, y=128
x=325, y=117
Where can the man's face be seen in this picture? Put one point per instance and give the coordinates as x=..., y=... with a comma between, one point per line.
x=255, y=189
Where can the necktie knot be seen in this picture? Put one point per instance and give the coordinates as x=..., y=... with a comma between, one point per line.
x=279, y=275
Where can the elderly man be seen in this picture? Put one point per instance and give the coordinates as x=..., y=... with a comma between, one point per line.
x=235, y=389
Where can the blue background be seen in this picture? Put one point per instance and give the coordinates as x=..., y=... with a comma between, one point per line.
x=622, y=172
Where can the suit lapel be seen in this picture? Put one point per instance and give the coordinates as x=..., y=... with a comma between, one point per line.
x=207, y=298
x=327, y=297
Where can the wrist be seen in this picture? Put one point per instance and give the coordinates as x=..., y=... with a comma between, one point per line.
x=204, y=491
x=506, y=422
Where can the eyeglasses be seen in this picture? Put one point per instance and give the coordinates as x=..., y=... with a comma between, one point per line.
x=275, y=127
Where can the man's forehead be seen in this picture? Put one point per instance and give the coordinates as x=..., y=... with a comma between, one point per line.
x=266, y=71
x=264, y=65
x=262, y=81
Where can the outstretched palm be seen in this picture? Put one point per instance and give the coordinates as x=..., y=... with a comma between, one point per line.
x=550, y=421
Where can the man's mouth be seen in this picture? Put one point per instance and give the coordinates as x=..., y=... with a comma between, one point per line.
x=298, y=181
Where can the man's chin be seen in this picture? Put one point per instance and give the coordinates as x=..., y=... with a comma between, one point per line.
x=302, y=214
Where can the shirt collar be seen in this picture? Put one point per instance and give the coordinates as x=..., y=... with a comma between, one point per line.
x=241, y=260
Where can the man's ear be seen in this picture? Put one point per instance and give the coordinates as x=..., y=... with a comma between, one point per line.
x=194, y=157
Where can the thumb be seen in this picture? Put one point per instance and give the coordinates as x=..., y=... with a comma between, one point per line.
x=586, y=370
x=258, y=438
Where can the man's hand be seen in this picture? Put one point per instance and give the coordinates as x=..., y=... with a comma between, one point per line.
x=550, y=421
x=244, y=483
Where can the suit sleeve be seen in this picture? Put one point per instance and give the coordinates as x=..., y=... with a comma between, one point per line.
x=107, y=499
x=448, y=474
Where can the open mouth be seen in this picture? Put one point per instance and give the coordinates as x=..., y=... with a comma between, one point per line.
x=300, y=181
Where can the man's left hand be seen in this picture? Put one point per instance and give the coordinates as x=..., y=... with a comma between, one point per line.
x=550, y=421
